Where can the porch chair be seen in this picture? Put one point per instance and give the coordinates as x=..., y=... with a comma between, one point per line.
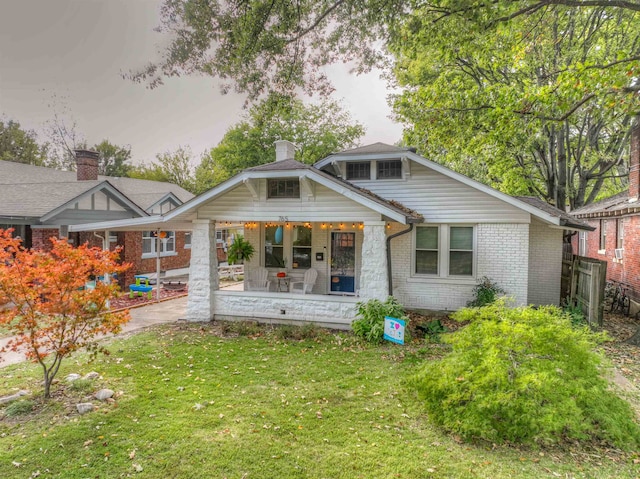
x=257, y=280
x=306, y=285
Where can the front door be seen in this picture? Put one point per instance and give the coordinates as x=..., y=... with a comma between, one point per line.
x=343, y=262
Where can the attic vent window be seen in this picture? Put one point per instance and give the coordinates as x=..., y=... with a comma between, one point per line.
x=283, y=188
x=360, y=170
x=389, y=169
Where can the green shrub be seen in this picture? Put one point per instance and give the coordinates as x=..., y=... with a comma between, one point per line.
x=432, y=330
x=524, y=375
x=485, y=292
x=82, y=385
x=307, y=331
x=19, y=408
x=369, y=324
x=575, y=314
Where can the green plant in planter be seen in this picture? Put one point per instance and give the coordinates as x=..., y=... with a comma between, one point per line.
x=240, y=250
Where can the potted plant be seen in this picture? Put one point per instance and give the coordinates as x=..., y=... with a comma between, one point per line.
x=240, y=251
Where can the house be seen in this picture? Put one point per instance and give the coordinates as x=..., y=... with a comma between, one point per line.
x=371, y=221
x=42, y=202
x=616, y=224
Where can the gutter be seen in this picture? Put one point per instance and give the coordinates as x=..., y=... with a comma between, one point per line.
x=389, y=269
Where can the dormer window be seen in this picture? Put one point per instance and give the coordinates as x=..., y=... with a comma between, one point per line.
x=388, y=169
x=289, y=188
x=360, y=170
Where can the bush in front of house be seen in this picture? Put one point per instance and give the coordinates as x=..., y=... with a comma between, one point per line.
x=485, y=292
x=524, y=375
x=369, y=322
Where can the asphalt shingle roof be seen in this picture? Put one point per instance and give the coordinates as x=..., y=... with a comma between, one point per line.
x=32, y=191
x=568, y=219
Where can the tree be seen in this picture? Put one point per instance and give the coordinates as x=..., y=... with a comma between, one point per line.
x=317, y=130
x=259, y=46
x=20, y=145
x=528, y=105
x=172, y=167
x=113, y=159
x=47, y=306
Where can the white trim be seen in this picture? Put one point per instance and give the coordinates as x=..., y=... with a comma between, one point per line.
x=444, y=248
x=103, y=186
x=447, y=172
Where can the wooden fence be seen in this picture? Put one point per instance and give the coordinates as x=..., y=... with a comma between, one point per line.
x=583, y=282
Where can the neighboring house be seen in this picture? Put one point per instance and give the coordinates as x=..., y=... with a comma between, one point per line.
x=43, y=202
x=616, y=221
x=371, y=221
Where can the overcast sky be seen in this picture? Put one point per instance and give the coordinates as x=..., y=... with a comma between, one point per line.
x=66, y=57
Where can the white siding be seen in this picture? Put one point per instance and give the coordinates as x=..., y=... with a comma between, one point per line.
x=545, y=260
x=502, y=254
x=444, y=200
x=327, y=205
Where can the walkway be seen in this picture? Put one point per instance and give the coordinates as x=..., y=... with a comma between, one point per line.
x=157, y=313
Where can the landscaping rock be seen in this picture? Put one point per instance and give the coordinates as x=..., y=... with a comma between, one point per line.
x=84, y=407
x=72, y=377
x=13, y=397
x=104, y=394
x=92, y=375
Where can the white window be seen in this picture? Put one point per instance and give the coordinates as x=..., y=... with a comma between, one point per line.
x=187, y=240
x=167, y=243
x=427, y=251
x=444, y=251
x=582, y=243
x=619, y=234
x=461, y=251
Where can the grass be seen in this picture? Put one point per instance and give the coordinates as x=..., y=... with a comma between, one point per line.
x=193, y=404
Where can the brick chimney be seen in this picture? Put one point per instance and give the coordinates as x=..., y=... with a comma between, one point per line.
x=285, y=150
x=86, y=165
x=634, y=161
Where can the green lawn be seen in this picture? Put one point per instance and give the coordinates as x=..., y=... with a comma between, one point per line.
x=197, y=405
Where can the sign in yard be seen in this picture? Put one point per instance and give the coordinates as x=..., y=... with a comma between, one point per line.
x=394, y=329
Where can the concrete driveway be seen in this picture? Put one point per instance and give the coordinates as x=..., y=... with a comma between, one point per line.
x=143, y=317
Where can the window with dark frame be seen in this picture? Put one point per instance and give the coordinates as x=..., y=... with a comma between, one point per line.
x=388, y=169
x=283, y=188
x=360, y=170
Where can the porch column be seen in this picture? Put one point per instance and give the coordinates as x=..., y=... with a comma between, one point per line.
x=203, y=272
x=373, y=272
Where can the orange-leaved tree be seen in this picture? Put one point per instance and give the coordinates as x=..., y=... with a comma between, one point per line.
x=47, y=306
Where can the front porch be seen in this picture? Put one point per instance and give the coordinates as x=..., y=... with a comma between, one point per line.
x=349, y=259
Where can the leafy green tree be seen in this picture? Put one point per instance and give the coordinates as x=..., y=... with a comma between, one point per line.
x=538, y=105
x=258, y=46
x=113, y=159
x=172, y=167
x=317, y=130
x=20, y=145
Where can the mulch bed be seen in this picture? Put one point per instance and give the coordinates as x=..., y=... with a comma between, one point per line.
x=124, y=301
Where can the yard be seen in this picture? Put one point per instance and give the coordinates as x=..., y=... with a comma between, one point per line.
x=241, y=401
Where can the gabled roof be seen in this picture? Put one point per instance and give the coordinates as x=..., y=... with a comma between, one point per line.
x=280, y=169
x=33, y=191
x=616, y=205
x=383, y=151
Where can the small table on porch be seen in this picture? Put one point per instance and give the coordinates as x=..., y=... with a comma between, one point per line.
x=283, y=284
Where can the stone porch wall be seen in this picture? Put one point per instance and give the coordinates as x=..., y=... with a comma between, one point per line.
x=281, y=308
